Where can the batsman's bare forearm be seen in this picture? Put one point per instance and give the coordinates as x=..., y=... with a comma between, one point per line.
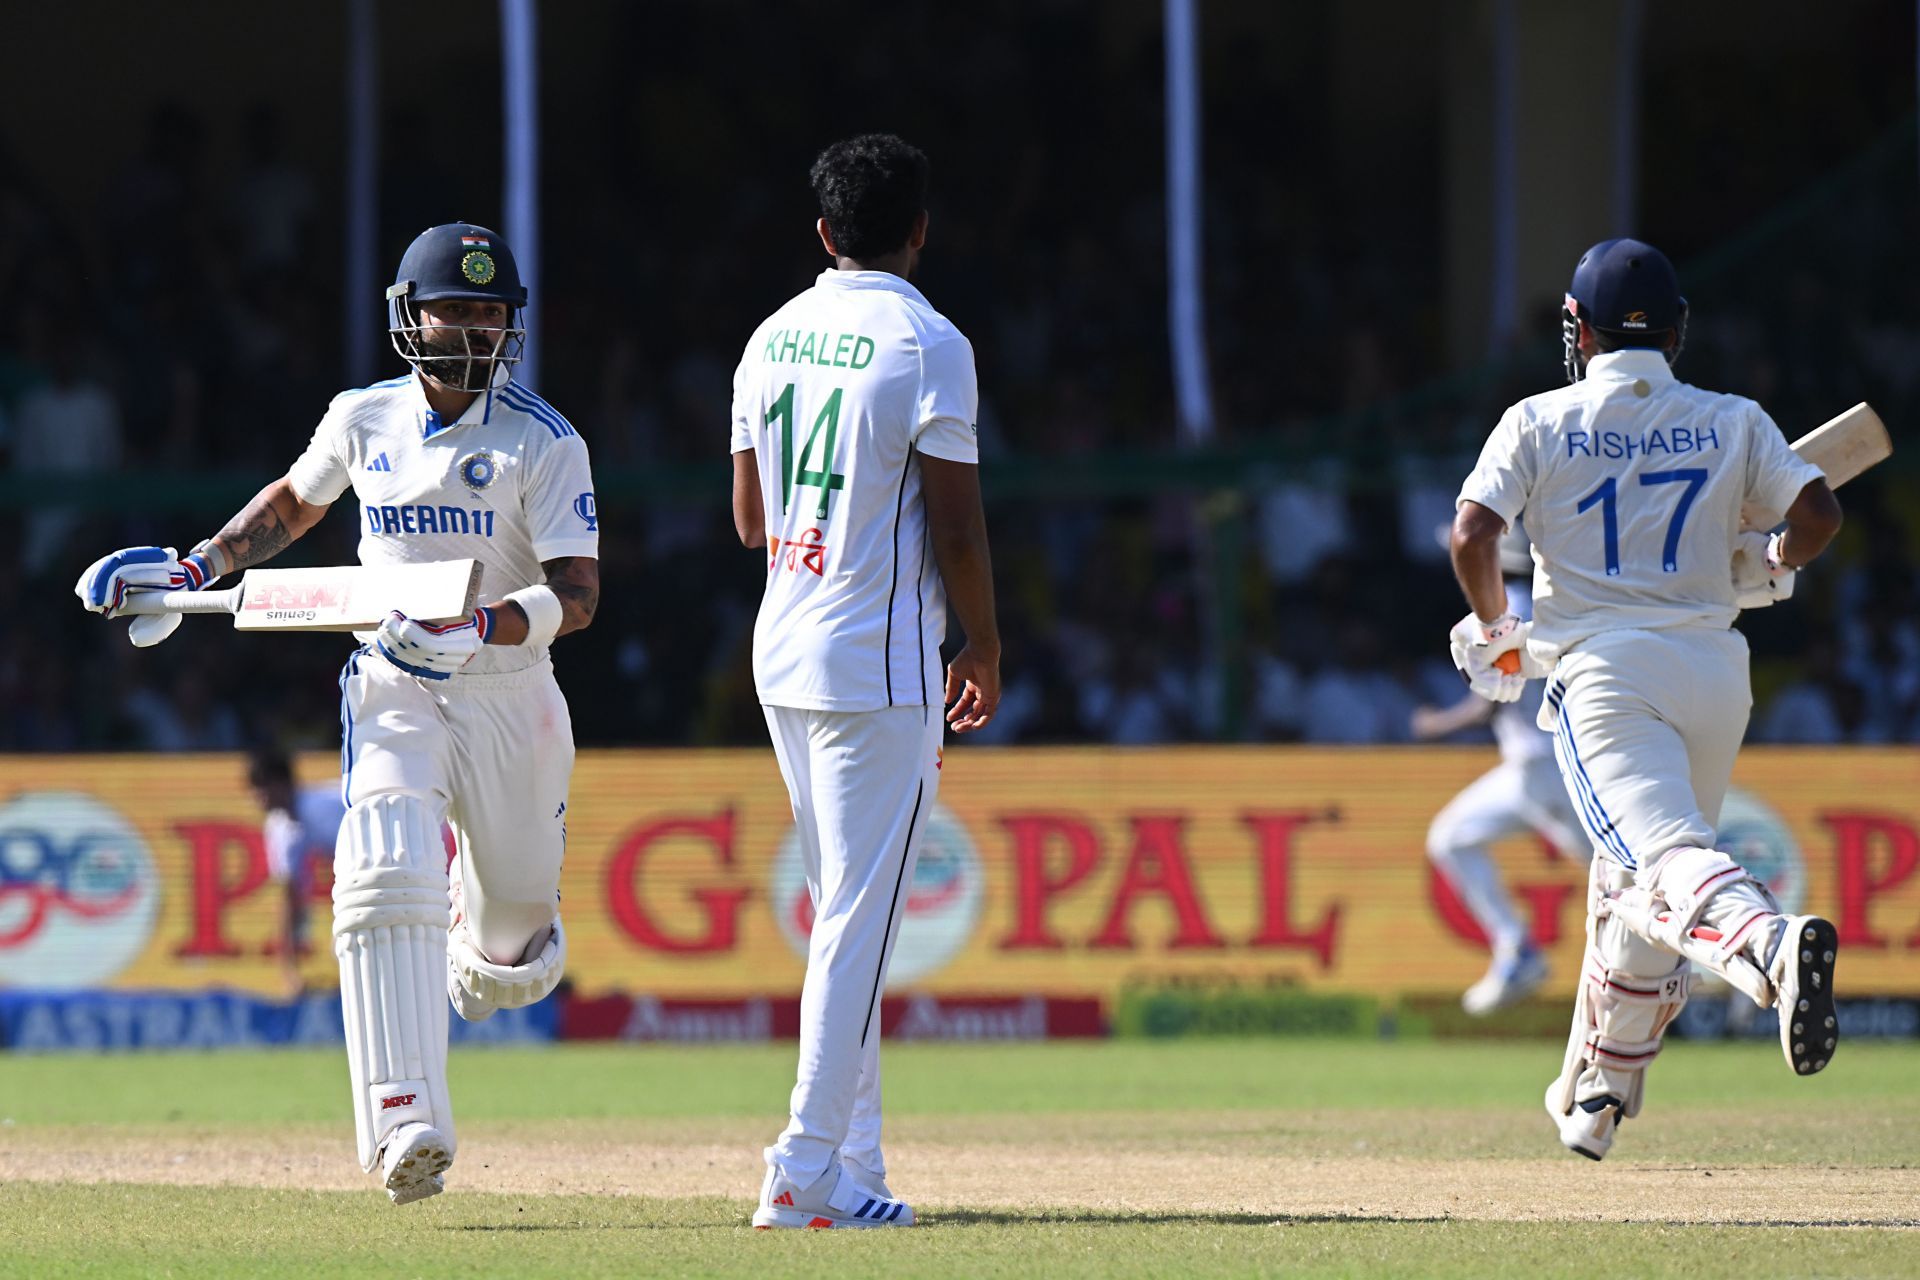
x=957, y=527
x=575, y=580
x=266, y=526
x=1812, y=521
x=1475, y=547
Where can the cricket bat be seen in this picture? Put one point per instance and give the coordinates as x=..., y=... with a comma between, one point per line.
x=1842, y=448
x=340, y=598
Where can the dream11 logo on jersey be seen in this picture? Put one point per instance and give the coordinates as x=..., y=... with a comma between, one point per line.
x=78, y=893
x=942, y=907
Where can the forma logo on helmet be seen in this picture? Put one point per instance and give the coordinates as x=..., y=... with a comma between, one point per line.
x=1624, y=294
x=471, y=338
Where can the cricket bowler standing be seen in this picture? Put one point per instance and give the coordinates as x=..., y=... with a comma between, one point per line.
x=461, y=722
x=1631, y=485
x=855, y=466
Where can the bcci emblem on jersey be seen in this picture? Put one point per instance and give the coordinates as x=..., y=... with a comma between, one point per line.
x=477, y=470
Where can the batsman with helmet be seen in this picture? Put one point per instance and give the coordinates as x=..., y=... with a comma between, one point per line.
x=1631, y=484
x=458, y=722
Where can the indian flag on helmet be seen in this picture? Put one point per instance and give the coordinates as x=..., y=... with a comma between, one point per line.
x=475, y=242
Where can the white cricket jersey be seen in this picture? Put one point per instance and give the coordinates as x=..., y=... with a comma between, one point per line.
x=306, y=833
x=506, y=484
x=837, y=392
x=1631, y=482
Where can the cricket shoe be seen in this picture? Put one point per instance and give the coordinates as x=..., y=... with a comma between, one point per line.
x=411, y=1162
x=1588, y=1129
x=834, y=1199
x=1802, y=976
x=874, y=1184
x=1510, y=980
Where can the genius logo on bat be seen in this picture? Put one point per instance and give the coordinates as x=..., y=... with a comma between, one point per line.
x=78, y=893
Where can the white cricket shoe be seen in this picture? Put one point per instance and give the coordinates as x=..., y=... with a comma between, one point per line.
x=874, y=1184
x=1510, y=980
x=834, y=1199
x=1588, y=1129
x=1802, y=977
x=411, y=1162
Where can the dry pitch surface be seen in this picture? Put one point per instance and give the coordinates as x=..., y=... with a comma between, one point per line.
x=1344, y=1164
x=1401, y=1156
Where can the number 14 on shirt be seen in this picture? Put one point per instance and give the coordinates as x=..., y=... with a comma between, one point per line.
x=794, y=471
x=1607, y=498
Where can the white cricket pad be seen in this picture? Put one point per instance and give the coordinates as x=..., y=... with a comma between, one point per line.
x=477, y=986
x=1631, y=990
x=390, y=935
x=1705, y=906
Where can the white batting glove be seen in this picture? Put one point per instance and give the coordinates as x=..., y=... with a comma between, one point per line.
x=1475, y=645
x=107, y=582
x=432, y=651
x=1760, y=577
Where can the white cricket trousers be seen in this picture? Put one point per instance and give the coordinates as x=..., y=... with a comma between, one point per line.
x=1646, y=725
x=1510, y=799
x=862, y=784
x=492, y=754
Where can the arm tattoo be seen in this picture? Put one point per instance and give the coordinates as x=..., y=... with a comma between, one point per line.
x=576, y=580
x=256, y=535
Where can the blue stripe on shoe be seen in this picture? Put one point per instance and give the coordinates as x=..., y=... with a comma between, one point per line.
x=861, y=1212
x=896, y=1211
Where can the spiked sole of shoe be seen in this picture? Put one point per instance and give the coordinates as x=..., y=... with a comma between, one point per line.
x=1810, y=1030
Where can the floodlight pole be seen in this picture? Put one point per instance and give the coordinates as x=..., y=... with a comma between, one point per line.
x=520, y=98
x=1186, y=310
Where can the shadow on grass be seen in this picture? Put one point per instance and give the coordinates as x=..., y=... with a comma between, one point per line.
x=959, y=1218
x=1174, y=1217
x=999, y=1218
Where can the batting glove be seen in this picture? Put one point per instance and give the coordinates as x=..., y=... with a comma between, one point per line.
x=432, y=651
x=105, y=585
x=1760, y=577
x=1475, y=645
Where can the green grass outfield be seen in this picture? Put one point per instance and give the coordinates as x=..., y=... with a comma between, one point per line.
x=1723, y=1119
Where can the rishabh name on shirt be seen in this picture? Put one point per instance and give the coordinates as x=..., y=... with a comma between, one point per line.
x=838, y=393
x=1631, y=483
x=507, y=484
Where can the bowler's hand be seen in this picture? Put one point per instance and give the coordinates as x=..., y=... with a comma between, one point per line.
x=973, y=690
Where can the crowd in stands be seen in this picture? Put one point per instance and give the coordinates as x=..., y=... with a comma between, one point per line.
x=189, y=327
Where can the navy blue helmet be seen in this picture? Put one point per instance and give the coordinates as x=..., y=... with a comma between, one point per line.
x=1628, y=290
x=458, y=260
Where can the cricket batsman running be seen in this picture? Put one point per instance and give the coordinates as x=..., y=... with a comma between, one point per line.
x=458, y=722
x=1631, y=485
x=854, y=464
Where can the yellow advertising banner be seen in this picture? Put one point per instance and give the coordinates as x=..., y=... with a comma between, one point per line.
x=1045, y=871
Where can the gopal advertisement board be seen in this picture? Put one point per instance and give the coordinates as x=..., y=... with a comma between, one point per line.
x=1072, y=873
